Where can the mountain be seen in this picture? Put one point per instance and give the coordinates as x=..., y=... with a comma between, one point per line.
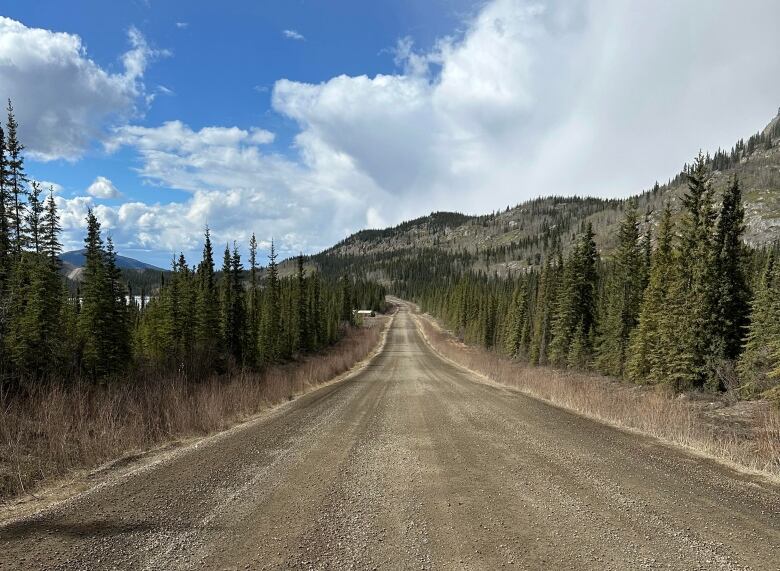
x=515, y=239
x=73, y=263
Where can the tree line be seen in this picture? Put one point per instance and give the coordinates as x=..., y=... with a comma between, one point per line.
x=198, y=321
x=687, y=304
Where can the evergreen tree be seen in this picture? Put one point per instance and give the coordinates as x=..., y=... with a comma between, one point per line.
x=50, y=231
x=39, y=336
x=227, y=291
x=731, y=293
x=623, y=297
x=302, y=302
x=208, y=337
x=646, y=247
x=517, y=321
x=574, y=326
x=686, y=325
x=318, y=327
x=646, y=352
x=34, y=218
x=760, y=357
x=253, y=306
x=94, y=321
x=5, y=216
x=488, y=332
x=117, y=341
x=16, y=181
x=346, y=315
x=237, y=336
x=271, y=332
x=544, y=314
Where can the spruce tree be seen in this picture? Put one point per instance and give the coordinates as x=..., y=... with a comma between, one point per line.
x=16, y=181
x=646, y=350
x=517, y=321
x=302, y=302
x=5, y=214
x=270, y=339
x=544, y=314
x=574, y=327
x=34, y=219
x=646, y=247
x=317, y=315
x=38, y=341
x=226, y=302
x=50, y=231
x=237, y=337
x=94, y=320
x=346, y=315
x=623, y=297
x=189, y=312
x=169, y=322
x=253, y=306
x=488, y=332
x=686, y=326
x=208, y=337
x=732, y=293
x=760, y=357
x=117, y=341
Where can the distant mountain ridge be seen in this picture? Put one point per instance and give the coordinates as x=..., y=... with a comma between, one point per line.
x=76, y=259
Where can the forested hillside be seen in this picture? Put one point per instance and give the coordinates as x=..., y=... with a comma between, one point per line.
x=675, y=286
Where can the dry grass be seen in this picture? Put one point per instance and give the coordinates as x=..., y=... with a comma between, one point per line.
x=56, y=430
x=752, y=443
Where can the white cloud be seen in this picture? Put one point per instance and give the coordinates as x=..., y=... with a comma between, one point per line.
x=560, y=97
x=103, y=188
x=531, y=99
x=182, y=25
x=62, y=98
x=293, y=35
x=237, y=187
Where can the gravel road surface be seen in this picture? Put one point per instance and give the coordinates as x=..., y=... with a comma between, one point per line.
x=413, y=463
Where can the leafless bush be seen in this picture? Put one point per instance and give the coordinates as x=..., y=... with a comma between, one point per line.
x=55, y=429
x=651, y=410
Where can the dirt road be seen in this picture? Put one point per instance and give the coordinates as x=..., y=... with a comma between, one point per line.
x=412, y=464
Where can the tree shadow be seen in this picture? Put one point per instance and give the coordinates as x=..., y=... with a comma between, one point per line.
x=41, y=528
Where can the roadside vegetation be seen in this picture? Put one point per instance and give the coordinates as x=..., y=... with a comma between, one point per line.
x=750, y=439
x=58, y=429
x=86, y=372
x=687, y=305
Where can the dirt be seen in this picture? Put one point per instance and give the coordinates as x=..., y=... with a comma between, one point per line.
x=413, y=463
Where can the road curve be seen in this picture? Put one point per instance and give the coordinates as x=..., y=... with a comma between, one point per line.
x=414, y=463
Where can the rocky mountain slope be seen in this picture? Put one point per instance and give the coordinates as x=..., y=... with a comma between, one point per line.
x=516, y=238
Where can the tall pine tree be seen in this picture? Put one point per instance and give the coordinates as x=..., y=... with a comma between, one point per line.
x=16, y=181
x=646, y=352
x=623, y=297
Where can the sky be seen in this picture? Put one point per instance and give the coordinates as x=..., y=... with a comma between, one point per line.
x=306, y=120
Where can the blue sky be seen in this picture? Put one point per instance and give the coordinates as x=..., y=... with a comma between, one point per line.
x=306, y=120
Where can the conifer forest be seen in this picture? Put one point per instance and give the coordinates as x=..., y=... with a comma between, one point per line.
x=195, y=320
x=686, y=304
